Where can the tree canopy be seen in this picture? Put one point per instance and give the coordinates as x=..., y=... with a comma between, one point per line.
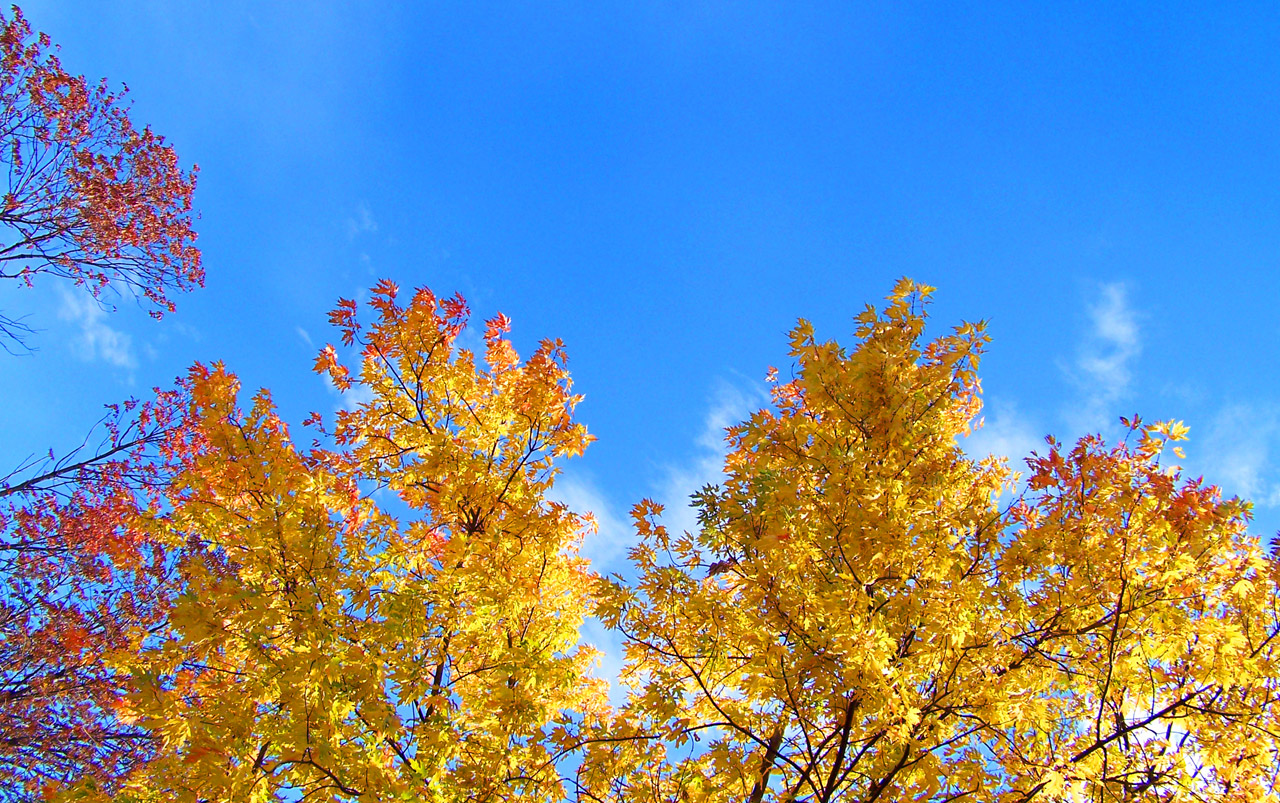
x=88, y=197
x=391, y=607
x=858, y=619
x=864, y=612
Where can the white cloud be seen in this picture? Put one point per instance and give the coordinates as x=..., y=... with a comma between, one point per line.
x=362, y=222
x=354, y=396
x=472, y=339
x=306, y=338
x=1103, y=369
x=729, y=406
x=612, y=657
x=606, y=546
x=1238, y=451
x=1005, y=432
x=351, y=398
x=605, y=549
x=97, y=340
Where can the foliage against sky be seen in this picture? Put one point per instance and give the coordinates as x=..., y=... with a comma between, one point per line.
x=667, y=189
x=855, y=619
x=89, y=198
x=856, y=616
x=94, y=202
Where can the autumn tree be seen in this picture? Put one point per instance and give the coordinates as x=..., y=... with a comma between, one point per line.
x=857, y=619
x=92, y=200
x=89, y=198
x=865, y=613
x=394, y=617
x=77, y=583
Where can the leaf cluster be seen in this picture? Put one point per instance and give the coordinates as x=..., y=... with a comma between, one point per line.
x=87, y=196
x=395, y=611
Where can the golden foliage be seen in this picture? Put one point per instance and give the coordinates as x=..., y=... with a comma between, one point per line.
x=856, y=619
x=325, y=647
x=857, y=616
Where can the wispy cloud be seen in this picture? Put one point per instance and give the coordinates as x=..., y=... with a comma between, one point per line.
x=472, y=339
x=355, y=395
x=605, y=549
x=729, y=405
x=612, y=660
x=351, y=398
x=361, y=222
x=97, y=340
x=606, y=546
x=1005, y=432
x=1239, y=452
x=1103, y=370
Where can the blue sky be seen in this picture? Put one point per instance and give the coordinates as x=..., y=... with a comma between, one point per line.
x=668, y=186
